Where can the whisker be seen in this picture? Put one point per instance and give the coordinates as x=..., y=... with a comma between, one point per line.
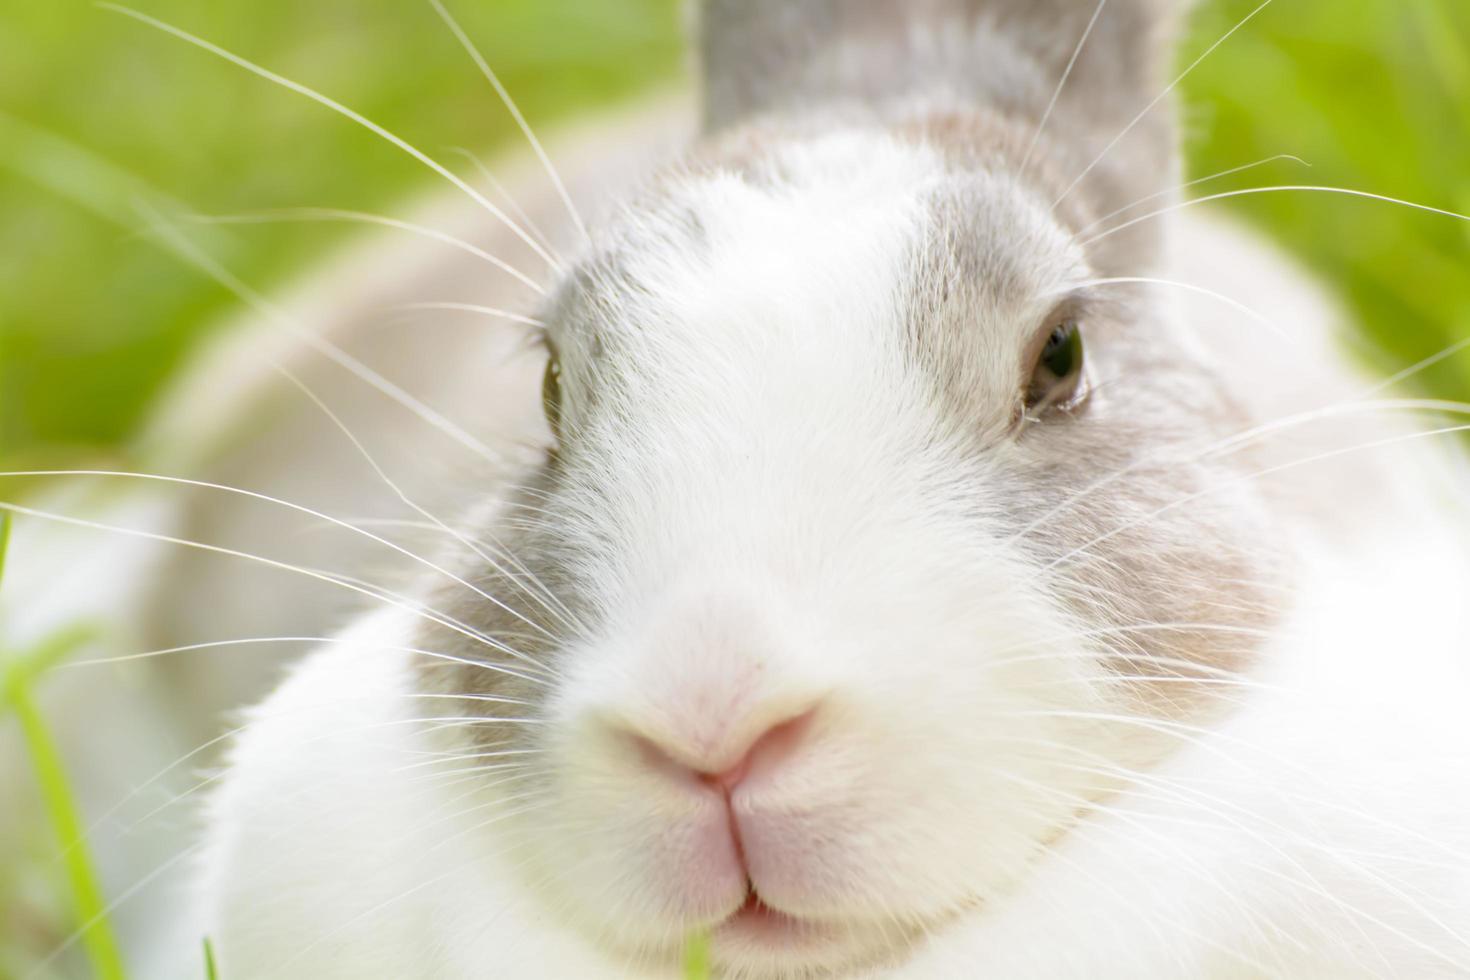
x=1244, y=438
x=1083, y=828
x=266, y=498
x=341, y=110
x=188, y=253
x=504, y=552
x=283, y=215
x=422, y=511
x=381, y=595
x=192, y=255
x=1284, y=188
x=1193, y=735
x=1159, y=98
x=486, y=175
x=133, y=890
x=1268, y=471
x=106, y=912
x=1308, y=882
x=388, y=903
x=1182, y=627
x=1061, y=85
x=1186, y=793
x=217, y=776
x=489, y=311
x=1229, y=301
x=515, y=112
x=432, y=723
x=1188, y=184
x=1418, y=367
x=314, y=640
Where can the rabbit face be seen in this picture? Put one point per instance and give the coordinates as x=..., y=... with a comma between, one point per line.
x=872, y=538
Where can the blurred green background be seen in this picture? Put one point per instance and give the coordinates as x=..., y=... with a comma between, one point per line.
x=96, y=110
x=92, y=317
x=1374, y=94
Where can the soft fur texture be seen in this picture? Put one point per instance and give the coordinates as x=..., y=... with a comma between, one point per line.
x=805, y=605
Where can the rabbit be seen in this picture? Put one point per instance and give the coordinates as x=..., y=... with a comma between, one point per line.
x=914, y=564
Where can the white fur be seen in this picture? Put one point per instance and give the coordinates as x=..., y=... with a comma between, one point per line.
x=747, y=550
x=785, y=508
x=1319, y=832
x=1309, y=819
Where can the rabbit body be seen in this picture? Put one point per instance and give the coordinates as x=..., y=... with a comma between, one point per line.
x=834, y=627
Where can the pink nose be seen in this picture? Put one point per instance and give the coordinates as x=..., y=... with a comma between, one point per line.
x=713, y=766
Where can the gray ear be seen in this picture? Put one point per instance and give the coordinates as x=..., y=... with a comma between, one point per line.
x=775, y=56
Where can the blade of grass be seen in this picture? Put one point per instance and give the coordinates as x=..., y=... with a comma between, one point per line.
x=66, y=821
x=211, y=972
x=56, y=793
x=696, y=957
x=4, y=541
x=17, y=672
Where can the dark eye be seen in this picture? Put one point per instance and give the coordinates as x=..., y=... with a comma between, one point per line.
x=551, y=392
x=1056, y=380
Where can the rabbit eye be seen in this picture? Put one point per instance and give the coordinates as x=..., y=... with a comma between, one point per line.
x=551, y=392
x=1057, y=378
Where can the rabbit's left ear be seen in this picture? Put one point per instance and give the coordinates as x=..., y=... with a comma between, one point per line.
x=769, y=56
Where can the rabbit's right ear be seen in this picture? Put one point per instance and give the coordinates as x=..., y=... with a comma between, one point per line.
x=770, y=56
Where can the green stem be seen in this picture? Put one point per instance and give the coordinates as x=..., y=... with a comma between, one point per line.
x=4, y=540
x=66, y=821
x=696, y=957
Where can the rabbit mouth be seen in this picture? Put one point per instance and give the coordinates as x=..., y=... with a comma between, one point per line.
x=757, y=921
x=758, y=940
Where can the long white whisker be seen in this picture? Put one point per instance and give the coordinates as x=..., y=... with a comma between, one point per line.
x=341, y=110
x=281, y=215
x=1308, y=881
x=1081, y=232
x=504, y=552
x=210, y=780
x=1184, y=792
x=421, y=510
x=192, y=255
x=1154, y=104
x=515, y=112
x=299, y=508
x=1316, y=458
x=486, y=175
x=1061, y=85
x=1284, y=188
x=1084, y=828
x=388, y=903
x=1244, y=438
x=314, y=640
x=112, y=906
x=1229, y=301
x=380, y=595
x=490, y=311
x=203, y=747
x=1417, y=367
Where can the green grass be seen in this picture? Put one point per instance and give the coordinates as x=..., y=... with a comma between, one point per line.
x=1374, y=94
x=92, y=320
x=18, y=673
x=696, y=958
